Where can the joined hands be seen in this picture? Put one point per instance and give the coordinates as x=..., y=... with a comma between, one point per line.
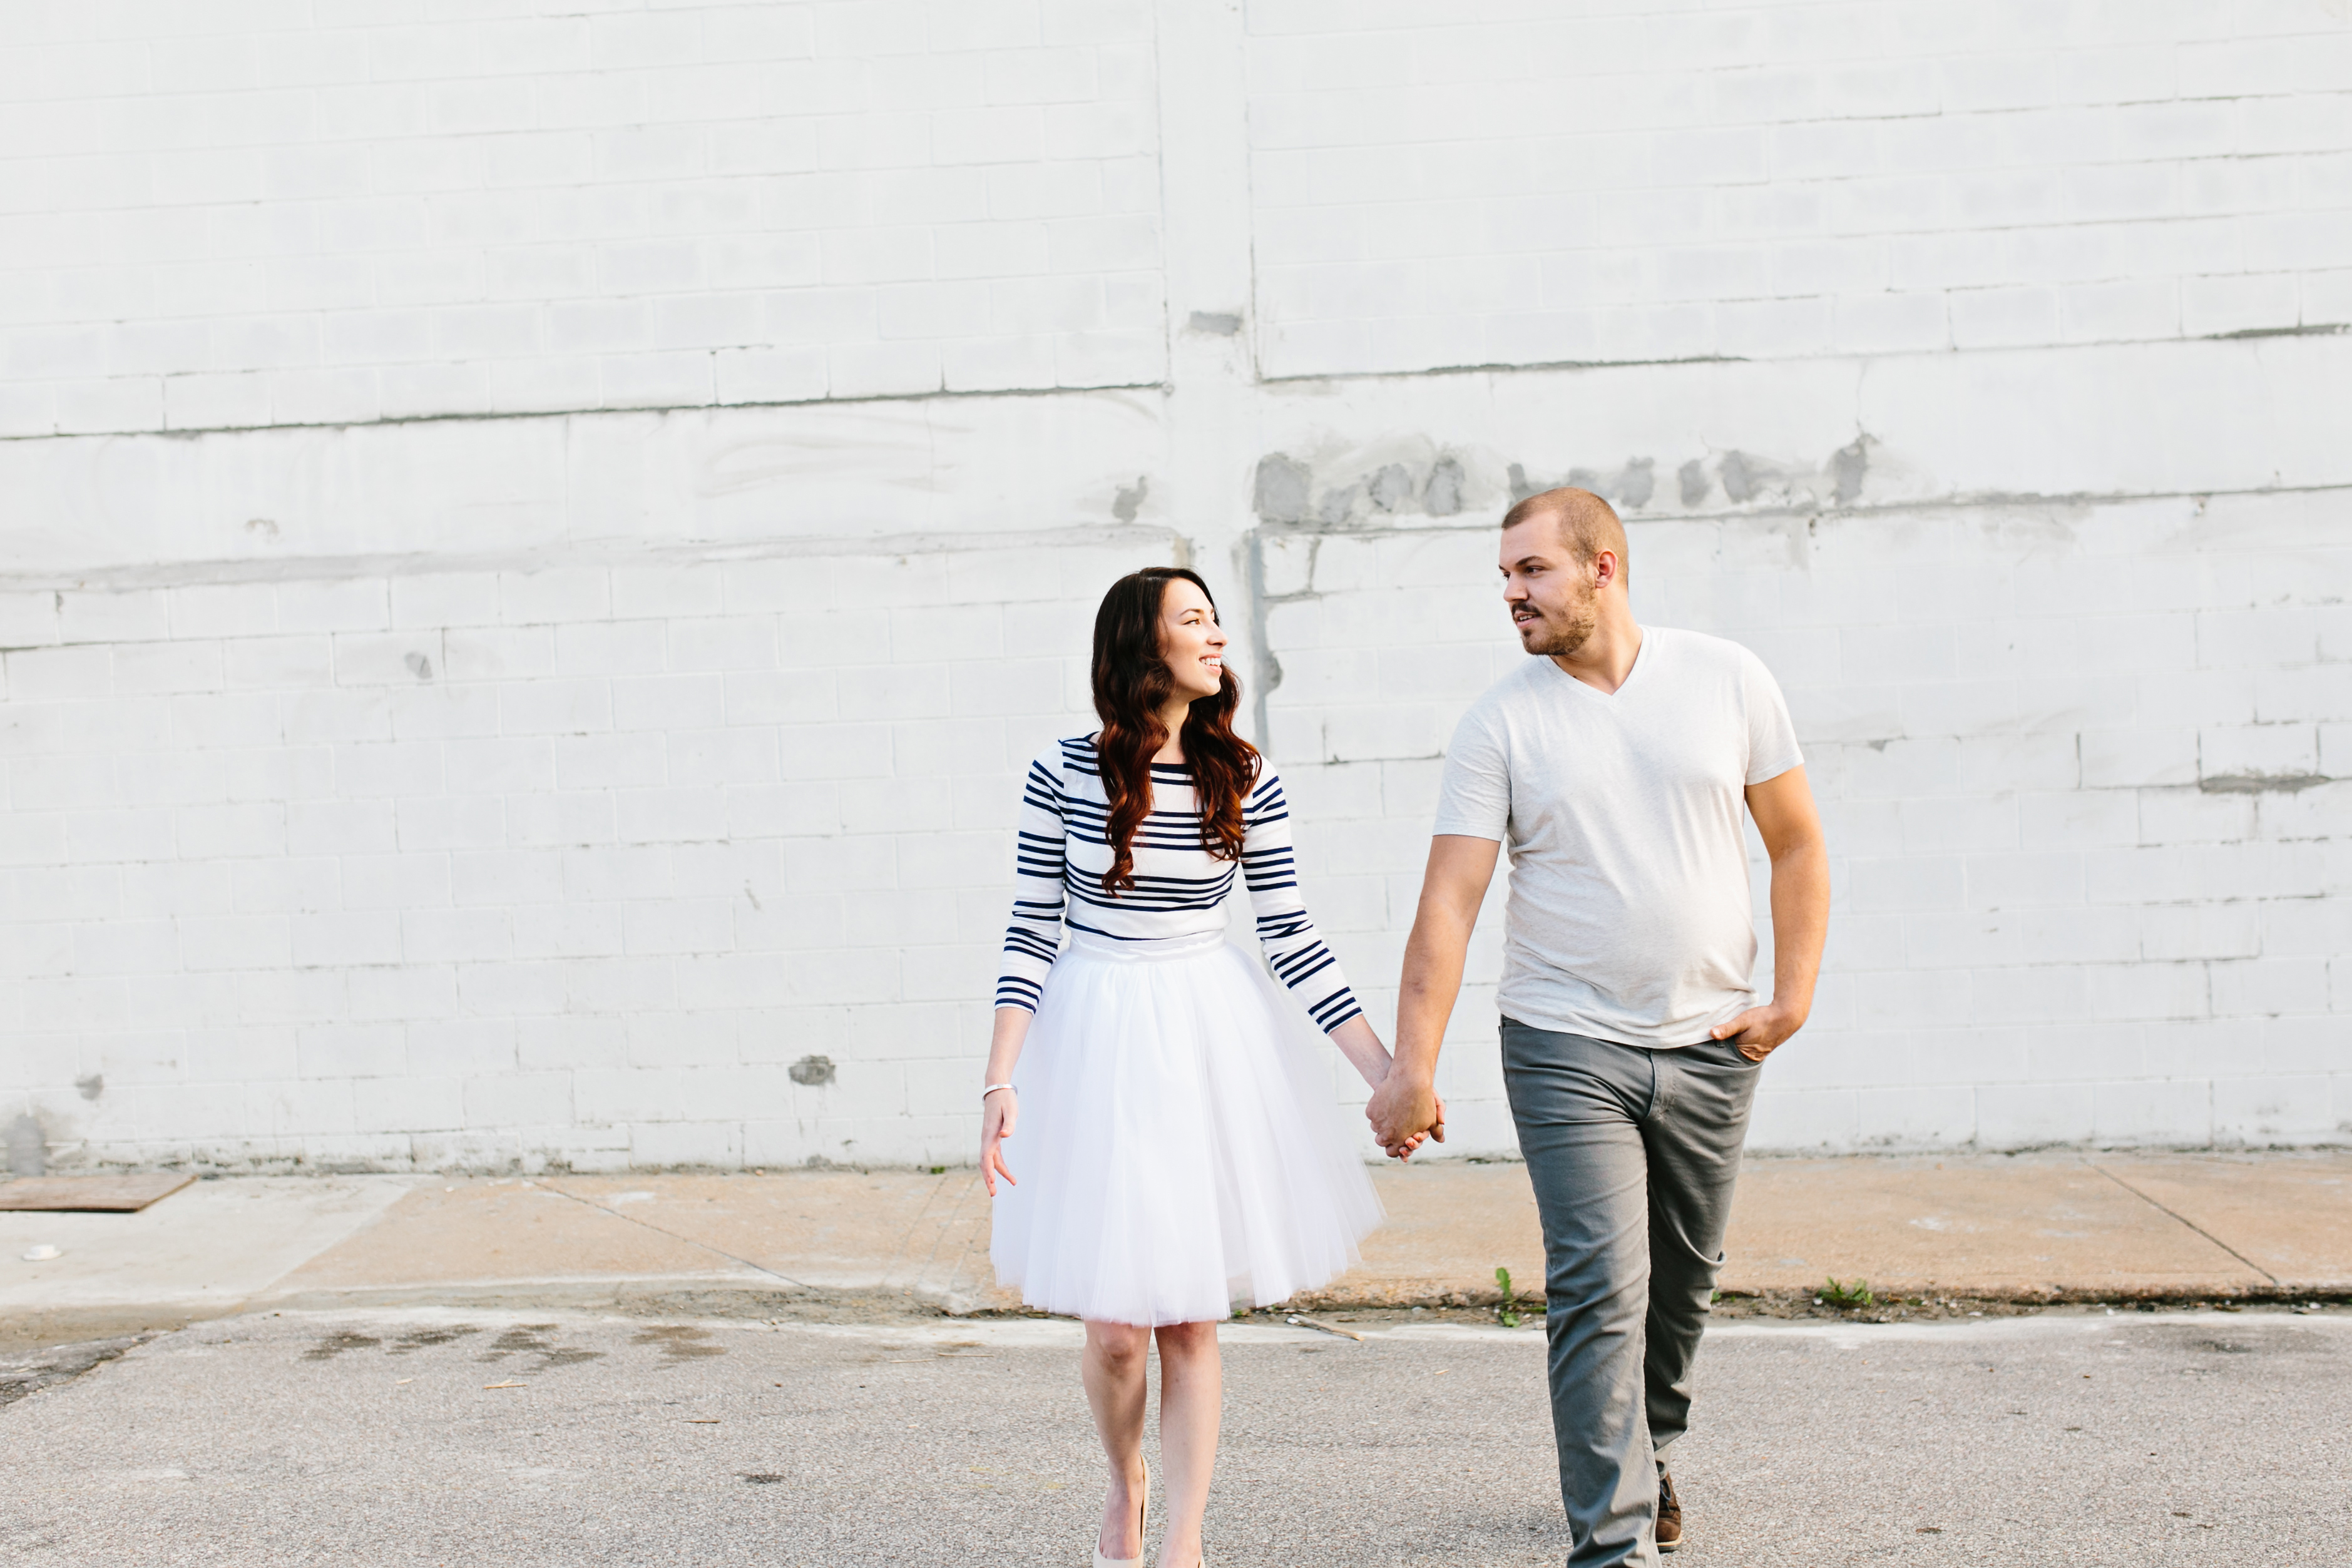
x=1405, y=1112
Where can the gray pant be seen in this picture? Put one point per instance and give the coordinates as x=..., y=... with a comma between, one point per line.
x=1632, y=1153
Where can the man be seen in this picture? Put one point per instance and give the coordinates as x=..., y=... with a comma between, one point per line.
x=1615, y=765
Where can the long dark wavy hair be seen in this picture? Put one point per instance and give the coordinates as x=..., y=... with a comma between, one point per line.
x=1131, y=684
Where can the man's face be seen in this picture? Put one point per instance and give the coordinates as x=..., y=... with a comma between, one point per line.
x=1547, y=590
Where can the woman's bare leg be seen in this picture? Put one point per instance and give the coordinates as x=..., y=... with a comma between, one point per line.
x=1191, y=1397
x=1114, y=1373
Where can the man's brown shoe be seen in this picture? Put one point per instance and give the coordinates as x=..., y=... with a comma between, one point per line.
x=1670, y=1515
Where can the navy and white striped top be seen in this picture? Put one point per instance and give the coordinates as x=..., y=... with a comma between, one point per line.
x=1180, y=888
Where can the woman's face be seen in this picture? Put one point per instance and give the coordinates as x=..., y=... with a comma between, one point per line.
x=1191, y=641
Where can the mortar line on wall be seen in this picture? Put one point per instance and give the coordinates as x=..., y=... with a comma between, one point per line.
x=2184, y=1219
x=1258, y=378
x=189, y=433
x=625, y=553
x=2320, y=330
x=606, y=553
x=1500, y=367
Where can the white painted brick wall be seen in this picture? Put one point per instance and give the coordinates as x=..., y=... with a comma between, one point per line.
x=2020, y=954
x=460, y=954
x=1439, y=183
x=228, y=216
x=414, y=790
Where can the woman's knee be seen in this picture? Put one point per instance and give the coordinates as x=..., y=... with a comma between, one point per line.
x=1118, y=1348
x=1186, y=1341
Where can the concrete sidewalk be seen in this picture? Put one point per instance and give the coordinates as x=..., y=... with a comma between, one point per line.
x=804, y=1242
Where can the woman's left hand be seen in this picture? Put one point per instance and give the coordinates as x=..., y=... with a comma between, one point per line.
x=1360, y=1044
x=998, y=1112
x=1404, y=1151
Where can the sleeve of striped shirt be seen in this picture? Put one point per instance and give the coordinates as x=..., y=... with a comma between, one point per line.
x=1036, y=934
x=1293, y=948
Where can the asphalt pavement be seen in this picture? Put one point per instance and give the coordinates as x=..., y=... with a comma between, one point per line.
x=442, y=1435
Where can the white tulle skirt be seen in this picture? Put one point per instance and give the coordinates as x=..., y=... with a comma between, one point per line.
x=1177, y=1149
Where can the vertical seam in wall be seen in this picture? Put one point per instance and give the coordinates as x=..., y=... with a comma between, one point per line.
x=2184, y=1219
x=1266, y=670
x=1249, y=213
x=1160, y=167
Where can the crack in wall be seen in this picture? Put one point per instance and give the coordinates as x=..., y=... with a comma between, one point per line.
x=613, y=552
x=939, y=395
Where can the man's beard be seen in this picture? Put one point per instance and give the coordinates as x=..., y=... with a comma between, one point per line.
x=1561, y=632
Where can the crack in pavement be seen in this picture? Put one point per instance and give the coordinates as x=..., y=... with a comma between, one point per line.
x=591, y=1203
x=2184, y=1219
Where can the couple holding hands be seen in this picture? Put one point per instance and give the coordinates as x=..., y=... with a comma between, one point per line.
x=1180, y=1153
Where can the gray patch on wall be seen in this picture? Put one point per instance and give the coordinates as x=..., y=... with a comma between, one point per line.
x=1284, y=490
x=1848, y=465
x=92, y=1086
x=1692, y=476
x=1442, y=498
x=1637, y=482
x=419, y=666
x=1839, y=480
x=1216, y=323
x=1391, y=487
x=1632, y=486
x=1338, y=505
x=1740, y=472
x=1129, y=499
x=813, y=1070
x=28, y=1147
x=1364, y=487
x=2261, y=783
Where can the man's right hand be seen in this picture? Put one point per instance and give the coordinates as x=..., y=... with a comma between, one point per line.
x=1405, y=1102
x=1404, y=1107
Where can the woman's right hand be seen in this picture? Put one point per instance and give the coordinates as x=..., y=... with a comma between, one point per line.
x=997, y=1115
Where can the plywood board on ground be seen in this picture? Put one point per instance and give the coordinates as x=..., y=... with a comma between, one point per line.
x=89, y=1194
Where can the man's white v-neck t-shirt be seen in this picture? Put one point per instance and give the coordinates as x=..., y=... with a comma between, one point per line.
x=1631, y=917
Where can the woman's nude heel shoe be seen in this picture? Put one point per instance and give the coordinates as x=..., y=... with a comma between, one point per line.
x=1142, y=1517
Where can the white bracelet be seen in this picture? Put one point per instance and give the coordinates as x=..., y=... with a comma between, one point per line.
x=992, y=1089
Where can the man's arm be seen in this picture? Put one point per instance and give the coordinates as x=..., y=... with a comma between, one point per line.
x=1792, y=830
x=1452, y=889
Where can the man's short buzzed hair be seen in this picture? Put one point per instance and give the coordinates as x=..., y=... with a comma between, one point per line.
x=1587, y=525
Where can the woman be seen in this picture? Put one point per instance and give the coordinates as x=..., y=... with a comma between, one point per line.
x=1184, y=1155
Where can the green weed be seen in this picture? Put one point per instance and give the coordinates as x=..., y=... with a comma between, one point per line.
x=1509, y=1318
x=1851, y=1293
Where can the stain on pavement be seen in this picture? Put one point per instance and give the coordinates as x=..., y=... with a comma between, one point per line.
x=335, y=1344
x=531, y=1339
x=679, y=1342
